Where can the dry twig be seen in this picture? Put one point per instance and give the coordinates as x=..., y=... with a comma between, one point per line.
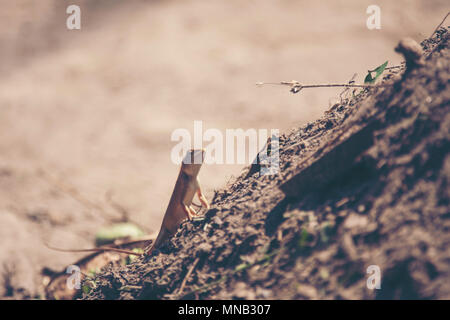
x=297, y=86
x=183, y=284
x=440, y=24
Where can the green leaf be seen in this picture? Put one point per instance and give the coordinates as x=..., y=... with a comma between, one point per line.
x=326, y=231
x=304, y=238
x=241, y=267
x=324, y=274
x=378, y=71
x=132, y=258
x=369, y=79
x=86, y=289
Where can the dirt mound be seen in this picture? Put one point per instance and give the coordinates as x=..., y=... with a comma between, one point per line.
x=367, y=184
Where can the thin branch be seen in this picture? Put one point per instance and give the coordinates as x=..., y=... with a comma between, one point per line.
x=183, y=284
x=325, y=85
x=297, y=86
x=337, y=85
x=393, y=67
x=440, y=24
x=387, y=68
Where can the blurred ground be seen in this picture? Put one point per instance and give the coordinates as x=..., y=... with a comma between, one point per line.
x=95, y=108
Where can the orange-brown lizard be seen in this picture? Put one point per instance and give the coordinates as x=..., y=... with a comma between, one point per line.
x=186, y=187
x=179, y=208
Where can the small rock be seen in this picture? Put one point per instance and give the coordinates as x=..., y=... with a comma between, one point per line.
x=263, y=293
x=250, y=230
x=204, y=248
x=342, y=202
x=349, y=247
x=216, y=220
x=326, y=255
x=241, y=291
x=355, y=221
x=307, y=291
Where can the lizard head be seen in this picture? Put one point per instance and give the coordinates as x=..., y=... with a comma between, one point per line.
x=193, y=161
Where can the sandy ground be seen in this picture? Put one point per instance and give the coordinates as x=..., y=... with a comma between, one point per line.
x=95, y=108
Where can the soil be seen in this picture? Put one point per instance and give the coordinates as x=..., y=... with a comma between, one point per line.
x=364, y=185
x=86, y=116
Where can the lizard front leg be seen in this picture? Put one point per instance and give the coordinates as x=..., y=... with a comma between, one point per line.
x=188, y=211
x=202, y=198
x=192, y=213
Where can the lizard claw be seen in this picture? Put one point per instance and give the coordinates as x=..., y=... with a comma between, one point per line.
x=188, y=211
x=202, y=199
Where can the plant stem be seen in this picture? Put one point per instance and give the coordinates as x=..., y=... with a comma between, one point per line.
x=327, y=85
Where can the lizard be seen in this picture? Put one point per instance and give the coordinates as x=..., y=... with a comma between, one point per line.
x=186, y=187
x=178, y=209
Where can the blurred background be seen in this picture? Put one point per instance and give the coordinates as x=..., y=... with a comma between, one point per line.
x=86, y=115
